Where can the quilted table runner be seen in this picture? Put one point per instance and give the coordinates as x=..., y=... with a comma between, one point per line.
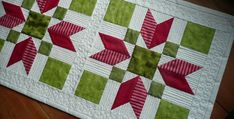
x=115, y=59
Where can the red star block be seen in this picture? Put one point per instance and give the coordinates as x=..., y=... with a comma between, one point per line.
x=134, y=92
x=174, y=73
x=155, y=34
x=115, y=50
x=13, y=17
x=61, y=32
x=46, y=5
x=25, y=51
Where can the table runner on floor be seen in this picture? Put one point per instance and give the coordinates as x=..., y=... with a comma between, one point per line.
x=115, y=59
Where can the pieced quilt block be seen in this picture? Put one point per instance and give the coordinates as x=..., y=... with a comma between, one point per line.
x=167, y=110
x=13, y=36
x=198, y=37
x=114, y=58
x=156, y=89
x=132, y=91
x=91, y=87
x=155, y=33
x=119, y=12
x=131, y=36
x=24, y=51
x=60, y=34
x=60, y=13
x=117, y=74
x=144, y=62
x=46, y=5
x=55, y=73
x=36, y=25
x=170, y=49
x=13, y=15
x=45, y=48
x=115, y=50
x=83, y=6
x=27, y=4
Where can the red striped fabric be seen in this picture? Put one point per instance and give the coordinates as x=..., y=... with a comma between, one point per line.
x=132, y=91
x=66, y=28
x=148, y=28
x=41, y=4
x=13, y=17
x=25, y=51
x=115, y=51
x=138, y=98
x=46, y=5
x=61, y=32
x=10, y=21
x=174, y=73
x=155, y=34
x=110, y=57
x=29, y=55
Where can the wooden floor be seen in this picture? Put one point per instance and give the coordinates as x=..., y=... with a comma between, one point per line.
x=16, y=106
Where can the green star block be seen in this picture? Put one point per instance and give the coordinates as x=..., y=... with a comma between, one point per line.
x=171, y=49
x=144, y=62
x=167, y=110
x=36, y=25
x=45, y=48
x=1, y=44
x=198, y=37
x=91, y=87
x=156, y=89
x=55, y=73
x=117, y=74
x=27, y=4
x=13, y=36
x=119, y=12
x=83, y=6
x=60, y=13
x=131, y=36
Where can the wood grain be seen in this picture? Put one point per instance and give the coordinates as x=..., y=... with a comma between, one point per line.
x=17, y=106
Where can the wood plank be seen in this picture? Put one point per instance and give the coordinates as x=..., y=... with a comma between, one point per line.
x=206, y=3
x=55, y=113
x=225, y=6
x=220, y=5
x=218, y=112
x=16, y=106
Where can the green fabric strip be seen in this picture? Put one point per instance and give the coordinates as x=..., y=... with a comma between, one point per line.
x=91, y=87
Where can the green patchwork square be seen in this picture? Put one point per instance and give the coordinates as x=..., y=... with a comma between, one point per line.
x=55, y=73
x=27, y=4
x=144, y=62
x=156, y=89
x=117, y=74
x=13, y=36
x=167, y=110
x=1, y=44
x=45, y=48
x=170, y=49
x=60, y=13
x=91, y=87
x=36, y=25
x=83, y=6
x=198, y=37
x=119, y=12
x=131, y=36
